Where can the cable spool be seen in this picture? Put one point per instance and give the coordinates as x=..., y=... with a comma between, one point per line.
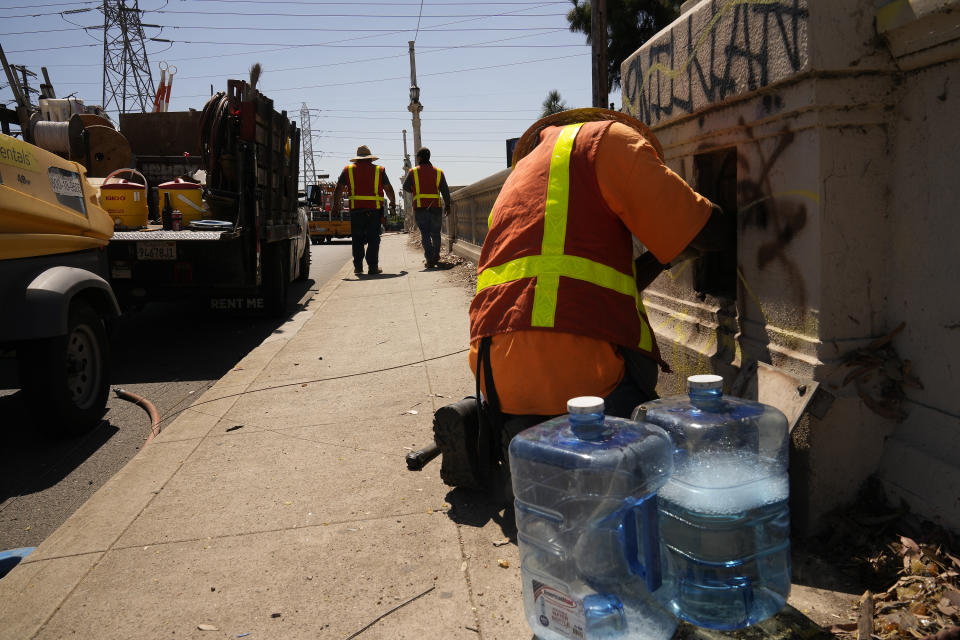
x=52, y=136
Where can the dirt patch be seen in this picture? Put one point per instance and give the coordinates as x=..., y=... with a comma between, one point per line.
x=456, y=269
x=903, y=566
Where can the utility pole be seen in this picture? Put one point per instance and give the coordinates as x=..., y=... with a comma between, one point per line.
x=127, y=81
x=407, y=198
x=414, y=107
x=21, y=97
x=46, y=89
x=306, y=142
x=25, y=85
x=598, y=35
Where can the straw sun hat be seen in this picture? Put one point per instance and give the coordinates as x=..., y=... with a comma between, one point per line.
x=531, y=136
x=363, y=153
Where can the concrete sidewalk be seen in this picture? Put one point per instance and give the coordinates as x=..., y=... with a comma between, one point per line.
x=279, y=505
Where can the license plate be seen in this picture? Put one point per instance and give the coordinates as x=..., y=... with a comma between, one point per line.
x=157, y=250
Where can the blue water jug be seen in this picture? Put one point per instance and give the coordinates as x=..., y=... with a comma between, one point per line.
x=586, y=510
x=724, y=514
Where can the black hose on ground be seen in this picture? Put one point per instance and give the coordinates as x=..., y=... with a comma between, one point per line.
x=147, y=406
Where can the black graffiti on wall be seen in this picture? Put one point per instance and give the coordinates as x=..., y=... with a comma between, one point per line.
x=762, y=33
x=781, y=214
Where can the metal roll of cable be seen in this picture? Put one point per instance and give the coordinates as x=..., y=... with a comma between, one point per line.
x=52, y=136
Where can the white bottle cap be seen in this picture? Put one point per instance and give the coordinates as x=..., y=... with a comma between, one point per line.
x=705, y=381
x=585, y=404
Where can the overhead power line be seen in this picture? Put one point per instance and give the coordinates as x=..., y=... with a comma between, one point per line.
x=436, y=73
x=33, y=31
x=366, y=15
x=53, y=4
x=323, y=44
x=351, y=44
x=68, y=46
x=393, y=4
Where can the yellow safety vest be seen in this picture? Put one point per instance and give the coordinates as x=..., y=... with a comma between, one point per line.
x=547, y=267
x=365, y=201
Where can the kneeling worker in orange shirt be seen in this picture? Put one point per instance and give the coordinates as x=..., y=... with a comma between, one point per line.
x=558, y=313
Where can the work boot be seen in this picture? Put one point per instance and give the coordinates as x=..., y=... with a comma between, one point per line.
x=375, y=270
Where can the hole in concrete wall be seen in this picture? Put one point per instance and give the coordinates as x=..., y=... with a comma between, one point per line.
x=715, y=176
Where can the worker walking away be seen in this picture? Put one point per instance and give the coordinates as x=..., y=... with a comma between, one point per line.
x=427, y=184
x=558, y=312
x=367, y=183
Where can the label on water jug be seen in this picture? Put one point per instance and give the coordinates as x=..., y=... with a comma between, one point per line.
x=558, y=611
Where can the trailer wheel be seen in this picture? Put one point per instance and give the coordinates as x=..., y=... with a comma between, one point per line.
x=276, y=280
x=66, y=379
x=304, y=264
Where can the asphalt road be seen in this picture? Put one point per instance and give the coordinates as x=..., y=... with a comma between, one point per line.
x=166, y=353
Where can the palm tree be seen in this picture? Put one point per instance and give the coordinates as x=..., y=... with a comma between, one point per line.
x=553, y=104
x=630, y=23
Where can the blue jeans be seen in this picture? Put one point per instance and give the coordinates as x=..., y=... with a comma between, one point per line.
x=429, y=221
x=365, y=237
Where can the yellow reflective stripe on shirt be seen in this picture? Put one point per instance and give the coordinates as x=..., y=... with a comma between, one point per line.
x=550, y=268
x=646, y=333
x=554, y=226
x=378, y=199
x=567, y=266
x=558, y=193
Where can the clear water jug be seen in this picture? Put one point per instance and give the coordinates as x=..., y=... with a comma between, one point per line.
x=586, y=509
x=724, y=515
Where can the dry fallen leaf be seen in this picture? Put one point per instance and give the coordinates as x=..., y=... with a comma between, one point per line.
x=909, y=545
x=207, y=627
x=503, y=563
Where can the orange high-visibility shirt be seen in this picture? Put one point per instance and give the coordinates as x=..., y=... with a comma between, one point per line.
x=536, y=372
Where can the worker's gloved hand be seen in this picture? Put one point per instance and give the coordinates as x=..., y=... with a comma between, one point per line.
x=446, y=210
x=717, y=234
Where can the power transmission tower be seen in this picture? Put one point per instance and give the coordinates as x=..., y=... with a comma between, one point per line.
x=127, y=81
x=306, y=141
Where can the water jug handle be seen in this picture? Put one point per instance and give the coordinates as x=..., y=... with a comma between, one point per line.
x=643, y=555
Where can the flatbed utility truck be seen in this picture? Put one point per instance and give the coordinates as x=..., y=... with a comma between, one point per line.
x=252, y=239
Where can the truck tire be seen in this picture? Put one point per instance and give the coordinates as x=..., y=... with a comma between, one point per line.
x=304, y=264
x=276, y=280
x=66, y=379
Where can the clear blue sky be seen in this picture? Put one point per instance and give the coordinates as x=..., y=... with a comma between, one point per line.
x=483, y=69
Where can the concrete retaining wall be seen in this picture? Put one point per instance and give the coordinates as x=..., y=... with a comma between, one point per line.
x=837, y=116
